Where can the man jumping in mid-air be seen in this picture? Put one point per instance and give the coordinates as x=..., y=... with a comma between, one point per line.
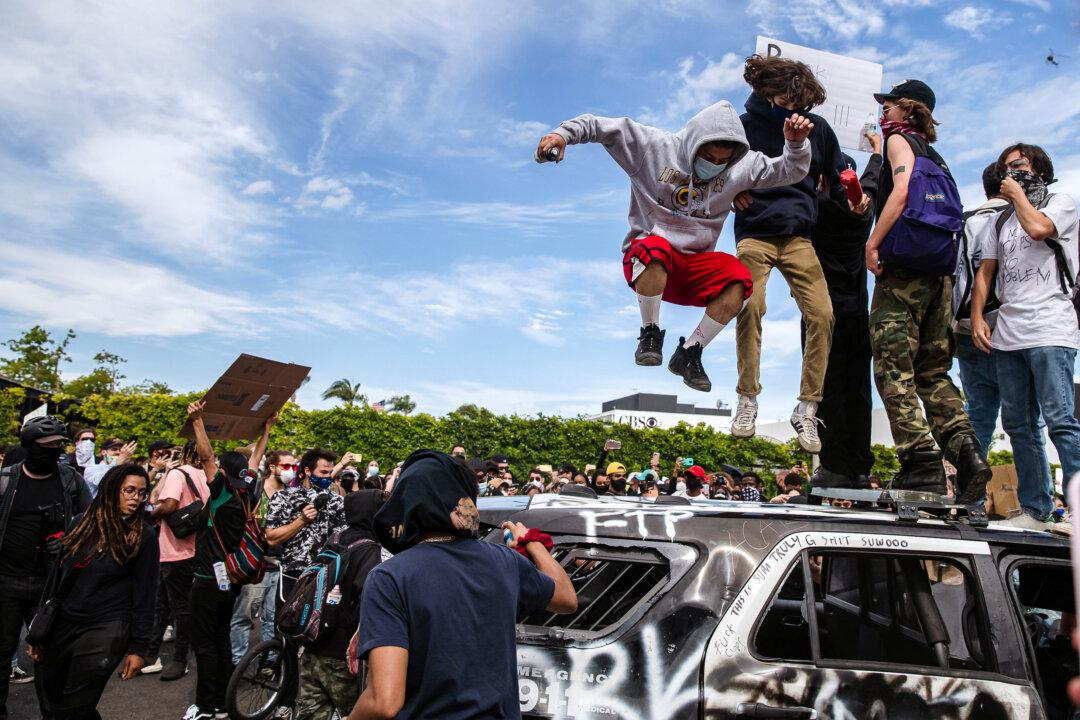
x=681, y=188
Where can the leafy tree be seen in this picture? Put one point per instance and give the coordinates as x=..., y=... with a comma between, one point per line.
x=37, y=358
x=346, y=392
x=1000, y=457
x=149, y=387
x=886, y=463
x=402, y=404
x=102, y=380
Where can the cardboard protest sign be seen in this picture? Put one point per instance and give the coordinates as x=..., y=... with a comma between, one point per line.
x=849, y=83
x=37, y=412
x=250, y=391
x=1001, y=491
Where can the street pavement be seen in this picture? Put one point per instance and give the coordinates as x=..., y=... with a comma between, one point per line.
x=142, y=698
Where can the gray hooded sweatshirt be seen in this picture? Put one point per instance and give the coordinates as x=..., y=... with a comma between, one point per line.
x=665, y=198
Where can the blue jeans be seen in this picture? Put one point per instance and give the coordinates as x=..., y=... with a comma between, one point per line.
x=254, y=599
x=1033, y=381
x=978, y=377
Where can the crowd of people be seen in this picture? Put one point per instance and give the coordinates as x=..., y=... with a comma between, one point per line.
x=104, y=555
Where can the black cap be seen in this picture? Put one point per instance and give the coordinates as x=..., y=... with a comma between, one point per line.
x=159, y=445
x=910, y=90
x=112, y=443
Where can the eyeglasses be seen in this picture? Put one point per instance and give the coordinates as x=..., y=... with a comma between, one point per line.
x=134, y=492
x=289, y=466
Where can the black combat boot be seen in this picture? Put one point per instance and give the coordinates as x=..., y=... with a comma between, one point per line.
x=650, y=347
x=921, y=471
x=825, y=478
x=686, y=362
x=972, y=472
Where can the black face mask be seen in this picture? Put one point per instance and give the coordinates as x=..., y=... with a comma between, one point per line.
x=41, y=460
x=1034, y=186
x=619, y=486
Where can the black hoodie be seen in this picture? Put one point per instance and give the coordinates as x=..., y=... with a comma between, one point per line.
x=360, y=509
x=792, y=209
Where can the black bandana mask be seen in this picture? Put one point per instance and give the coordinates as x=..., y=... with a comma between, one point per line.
x=1034, y=186
x=42, y=460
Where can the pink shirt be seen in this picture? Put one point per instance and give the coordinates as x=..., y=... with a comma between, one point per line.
x=175, y=487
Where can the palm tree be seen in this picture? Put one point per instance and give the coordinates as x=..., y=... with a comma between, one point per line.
x=346, y=392
x=402, y=404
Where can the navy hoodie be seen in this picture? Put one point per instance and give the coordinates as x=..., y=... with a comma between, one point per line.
x=792, y=209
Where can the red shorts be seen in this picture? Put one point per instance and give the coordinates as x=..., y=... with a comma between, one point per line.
x=693, y=279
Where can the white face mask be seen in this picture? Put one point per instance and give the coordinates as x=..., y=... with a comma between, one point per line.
x=373, y=470
x=287, y=476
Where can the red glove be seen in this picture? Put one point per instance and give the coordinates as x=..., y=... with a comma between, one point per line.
x=534, y=535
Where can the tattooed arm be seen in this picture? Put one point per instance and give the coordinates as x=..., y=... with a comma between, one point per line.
x=901, y=160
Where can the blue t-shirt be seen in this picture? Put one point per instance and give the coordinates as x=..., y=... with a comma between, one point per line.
x=454, y=606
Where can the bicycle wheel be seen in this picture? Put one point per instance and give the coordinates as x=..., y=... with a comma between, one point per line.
x=258, y=687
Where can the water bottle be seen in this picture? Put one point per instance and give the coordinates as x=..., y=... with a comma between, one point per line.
x=869, y=126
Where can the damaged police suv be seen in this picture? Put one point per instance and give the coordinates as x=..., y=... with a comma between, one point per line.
x=732, y=610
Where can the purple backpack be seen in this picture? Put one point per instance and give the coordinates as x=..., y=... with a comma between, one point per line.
x=927, y=234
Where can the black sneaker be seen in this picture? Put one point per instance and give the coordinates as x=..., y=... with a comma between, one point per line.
x=650, y=347
x=686, y=362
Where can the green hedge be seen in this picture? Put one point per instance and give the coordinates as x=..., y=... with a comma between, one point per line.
x=390, y=437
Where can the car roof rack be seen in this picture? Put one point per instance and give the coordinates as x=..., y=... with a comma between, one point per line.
x=911, y=505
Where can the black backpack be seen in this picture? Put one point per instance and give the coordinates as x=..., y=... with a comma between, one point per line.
x=963, y=311
x=314, y=607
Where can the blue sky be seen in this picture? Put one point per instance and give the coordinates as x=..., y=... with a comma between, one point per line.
x=351, y=185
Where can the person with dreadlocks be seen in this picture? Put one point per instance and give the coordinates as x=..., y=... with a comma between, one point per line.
x=447, y=601
x=103, y=584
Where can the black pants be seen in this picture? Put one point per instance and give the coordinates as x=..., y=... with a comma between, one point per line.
x=19, y=598
x=846, y=403
x=175, y=580
x=211, y=614
x=78, y=662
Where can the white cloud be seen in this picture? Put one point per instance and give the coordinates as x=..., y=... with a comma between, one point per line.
x=537, y=296
x=972, y=19
x=531, y=219
x=325, y=192
x=116, y=297
x=259, y=187
x=152, y=139
x=817, y=19
x=1043, y=5
x=697, y=89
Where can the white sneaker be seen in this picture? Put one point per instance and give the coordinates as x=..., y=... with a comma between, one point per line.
x=805, y=424
x=194, y=714
x=742, y=425
x=20, y=676
x=169, y=634
x=152, y=668
x=1025, y=522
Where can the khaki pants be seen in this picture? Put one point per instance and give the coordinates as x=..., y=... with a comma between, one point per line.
x=796, y=260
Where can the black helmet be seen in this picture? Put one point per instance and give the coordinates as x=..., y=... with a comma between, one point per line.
x=40, y=427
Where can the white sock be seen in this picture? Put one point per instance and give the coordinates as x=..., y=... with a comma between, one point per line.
x=650, y=309
x=748, y=399
x=703, y=334
x=807, y=407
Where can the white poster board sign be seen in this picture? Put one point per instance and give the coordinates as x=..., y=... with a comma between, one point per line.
x=849, y=83
x=37, y=412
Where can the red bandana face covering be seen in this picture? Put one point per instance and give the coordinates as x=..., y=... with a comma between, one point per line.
x=888, y=127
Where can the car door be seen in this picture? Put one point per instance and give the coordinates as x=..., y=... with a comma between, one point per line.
x=862, y=625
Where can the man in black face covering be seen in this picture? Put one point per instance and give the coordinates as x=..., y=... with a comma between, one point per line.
x=437, y=619
x=38, y=498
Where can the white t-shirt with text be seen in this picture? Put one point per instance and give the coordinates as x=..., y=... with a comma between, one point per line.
x=1035, y=312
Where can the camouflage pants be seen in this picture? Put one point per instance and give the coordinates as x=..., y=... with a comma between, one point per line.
x=325, y=685
x=912, y=346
